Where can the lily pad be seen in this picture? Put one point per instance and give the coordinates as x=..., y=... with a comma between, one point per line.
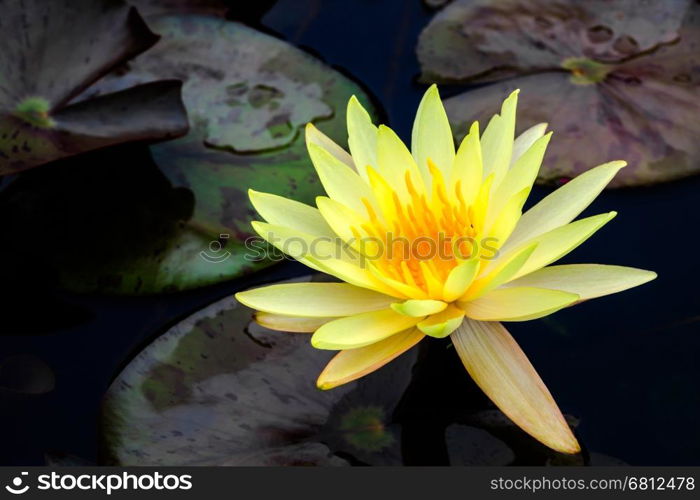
x=217, y=389
x=615, y=79
x=248, y=96
x=46, y=62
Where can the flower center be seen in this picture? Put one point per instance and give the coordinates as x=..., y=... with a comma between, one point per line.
x=420, y=239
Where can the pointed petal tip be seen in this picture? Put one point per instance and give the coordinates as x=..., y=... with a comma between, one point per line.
x=647, y=277
x=354, y=103
x=432, y=92
x=317, y=342
x=253, y=195
x=568, y=447
x=242, y=298
x=325, y=386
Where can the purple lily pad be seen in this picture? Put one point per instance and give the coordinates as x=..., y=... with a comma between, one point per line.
x=46, y=62
x=614, y=79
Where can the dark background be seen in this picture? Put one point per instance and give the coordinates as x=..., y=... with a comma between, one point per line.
x=626, y=366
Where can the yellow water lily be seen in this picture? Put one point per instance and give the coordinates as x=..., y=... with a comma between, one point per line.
x=433, y=241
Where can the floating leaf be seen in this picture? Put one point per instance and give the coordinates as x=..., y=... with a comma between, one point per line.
x=46, y=62
x=218, y=390
x=248, y=96
x=615, y=79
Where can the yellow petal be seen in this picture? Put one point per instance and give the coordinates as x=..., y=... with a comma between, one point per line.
x=296, y=324
x=435, y=286
x=555, y=244
x=506, y=220
x=394, y=159
x=419, y=308
x=522, y=174
x=341, y=219
x=441, y=324
x=285, y=212
x=497, y=141
x=459, y=279
x=406, y=290
x=525, y=140
x=314, y=135
x=383, y=192
x=341, y=182
x=500, y=368
x=517, y=304
x=467, y=169
x=316, y=300
x=362, y=137
x=361, y=329
x=325, y=254
x=351, y=364
x=305, y=246
x=501, y=274
x=359, y=276
x=564, y=204
x=481, y=204
x=586, y=280
x=432, y=136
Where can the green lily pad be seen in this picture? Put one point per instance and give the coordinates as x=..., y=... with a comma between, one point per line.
x=217, y=389
x=248, y=96
x=46, y=62
x=621, y=82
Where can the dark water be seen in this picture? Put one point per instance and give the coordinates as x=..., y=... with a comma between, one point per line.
x=626, y=365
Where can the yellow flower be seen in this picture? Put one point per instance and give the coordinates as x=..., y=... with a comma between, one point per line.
x=433, y=242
